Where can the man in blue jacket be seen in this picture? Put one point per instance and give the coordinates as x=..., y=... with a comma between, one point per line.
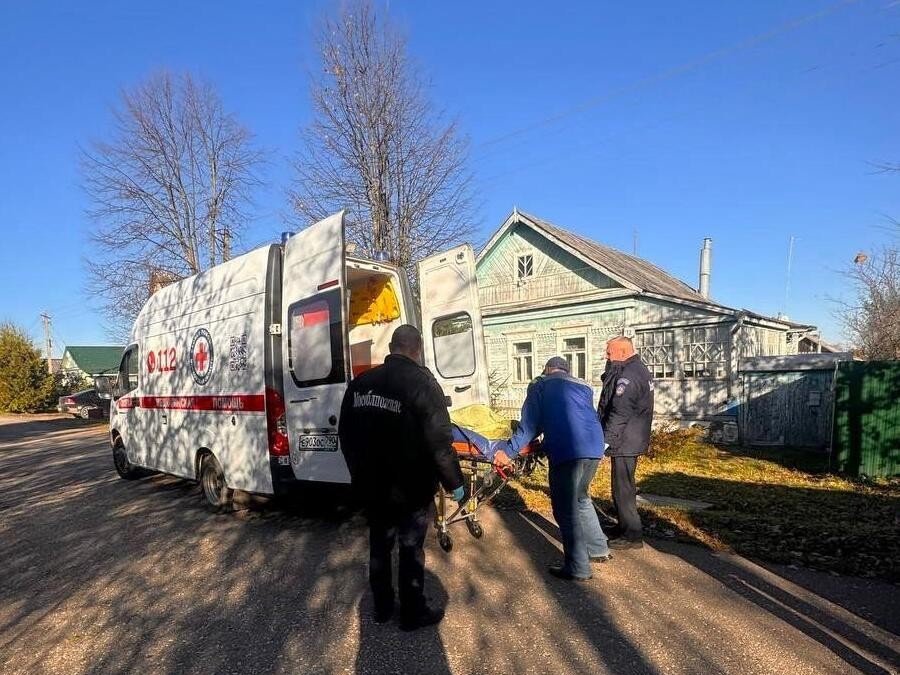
x=562, y=408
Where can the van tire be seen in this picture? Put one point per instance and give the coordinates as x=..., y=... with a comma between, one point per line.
x=123, y=465
x=219, y=497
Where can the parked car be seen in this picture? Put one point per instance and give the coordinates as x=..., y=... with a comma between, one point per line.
x=85, y=404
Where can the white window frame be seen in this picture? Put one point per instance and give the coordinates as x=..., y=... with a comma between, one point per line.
x=703, y=357
x=660, y=356
x=561, y=349
x=528, y=267
x=515, y=370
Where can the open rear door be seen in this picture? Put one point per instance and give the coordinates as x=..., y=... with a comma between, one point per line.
x=451, y=325
x=314, y=348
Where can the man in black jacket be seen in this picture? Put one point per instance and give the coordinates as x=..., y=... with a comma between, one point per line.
x=396, y=436
x=626, y=412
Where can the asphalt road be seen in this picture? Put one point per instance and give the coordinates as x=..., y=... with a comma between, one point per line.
x=102, y=575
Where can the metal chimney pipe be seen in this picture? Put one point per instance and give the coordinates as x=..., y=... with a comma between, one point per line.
x=705, y=266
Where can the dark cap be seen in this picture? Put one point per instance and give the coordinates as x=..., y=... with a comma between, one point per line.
x=557, y=362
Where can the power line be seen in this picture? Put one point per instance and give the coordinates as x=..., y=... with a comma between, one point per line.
x=565, y=154
x=674, y=71
x=562, y=154
x=59, y=341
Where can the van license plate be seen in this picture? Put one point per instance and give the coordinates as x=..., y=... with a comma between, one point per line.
x=319, y=442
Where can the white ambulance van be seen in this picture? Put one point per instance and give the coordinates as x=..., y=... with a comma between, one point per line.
x=234, y=377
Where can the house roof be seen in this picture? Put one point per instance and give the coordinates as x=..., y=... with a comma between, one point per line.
x=95, y=360
x=827, y=347
x=643, y=274
x=792, y=362
x=632, y=272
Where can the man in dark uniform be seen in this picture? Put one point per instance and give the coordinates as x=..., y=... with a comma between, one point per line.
x=626, y=412
x=396, y=436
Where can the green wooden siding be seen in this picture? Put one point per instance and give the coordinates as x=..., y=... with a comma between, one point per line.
x=555, y=272
x=564, y=296
x=867, y=419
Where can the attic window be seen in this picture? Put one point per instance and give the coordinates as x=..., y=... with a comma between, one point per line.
x=525, y=267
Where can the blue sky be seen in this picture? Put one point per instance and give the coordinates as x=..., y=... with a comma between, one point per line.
x=746, y=122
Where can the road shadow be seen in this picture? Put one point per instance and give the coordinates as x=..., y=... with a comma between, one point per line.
x=862, y=647
x=105, y=575
x=860, y=644
x=383, y=648
x=15, y=429
x=600, y=635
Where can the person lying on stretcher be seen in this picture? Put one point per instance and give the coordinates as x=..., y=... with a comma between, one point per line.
x=480, y=432
x=470, y=443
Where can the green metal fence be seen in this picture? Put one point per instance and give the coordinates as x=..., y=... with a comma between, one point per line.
x=866, y=438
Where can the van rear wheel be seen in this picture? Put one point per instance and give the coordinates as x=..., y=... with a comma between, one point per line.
x=124, y=467
x=218, y=495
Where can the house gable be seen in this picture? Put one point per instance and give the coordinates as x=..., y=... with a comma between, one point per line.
x=524, y=265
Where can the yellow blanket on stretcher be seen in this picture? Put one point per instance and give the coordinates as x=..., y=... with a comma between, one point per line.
x=482, y=420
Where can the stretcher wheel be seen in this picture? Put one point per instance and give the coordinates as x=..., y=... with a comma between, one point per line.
x=445, y=542
x=475, y=529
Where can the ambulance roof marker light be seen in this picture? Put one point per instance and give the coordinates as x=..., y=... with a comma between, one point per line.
x=380, y=256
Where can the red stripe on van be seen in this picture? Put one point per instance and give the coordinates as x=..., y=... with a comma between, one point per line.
x=234, y=403
x=127, y=402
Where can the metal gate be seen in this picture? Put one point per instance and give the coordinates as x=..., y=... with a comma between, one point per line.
x=787, y=409
x=867, y=419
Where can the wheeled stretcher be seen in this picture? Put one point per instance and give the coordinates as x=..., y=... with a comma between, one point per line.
x=483, y=479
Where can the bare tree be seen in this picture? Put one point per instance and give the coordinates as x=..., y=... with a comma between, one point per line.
x=872, y=319
x=377, y=147
x=169, y=190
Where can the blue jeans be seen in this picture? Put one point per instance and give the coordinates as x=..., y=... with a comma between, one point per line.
x=575, y=514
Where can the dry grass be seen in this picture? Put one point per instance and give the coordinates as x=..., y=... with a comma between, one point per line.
x=763, y=505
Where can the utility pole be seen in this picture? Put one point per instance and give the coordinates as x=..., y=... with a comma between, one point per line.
x=634, y=242
x=787, y=284
x=48, y=342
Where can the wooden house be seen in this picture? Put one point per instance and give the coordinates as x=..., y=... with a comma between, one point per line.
x=546, y=291
x=87, y=363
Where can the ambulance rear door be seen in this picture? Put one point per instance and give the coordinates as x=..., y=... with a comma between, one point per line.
x=451, y=326
x=314, y=348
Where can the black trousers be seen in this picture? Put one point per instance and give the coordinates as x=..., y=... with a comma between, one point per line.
x=408, y=528
x=624, y=494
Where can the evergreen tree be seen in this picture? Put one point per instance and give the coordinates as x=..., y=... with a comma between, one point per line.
x=25, y=384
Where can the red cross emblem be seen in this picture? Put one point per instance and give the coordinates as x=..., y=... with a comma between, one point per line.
x=201, y=357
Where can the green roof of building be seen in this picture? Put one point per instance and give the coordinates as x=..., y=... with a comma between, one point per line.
x=96, y=360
